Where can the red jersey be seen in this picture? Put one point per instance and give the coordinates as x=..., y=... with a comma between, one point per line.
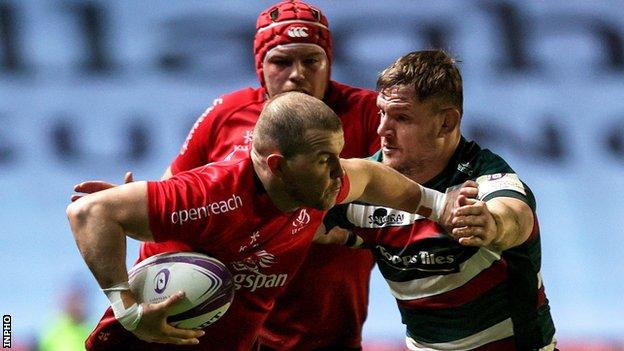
x=311, y=313
x=222, y=210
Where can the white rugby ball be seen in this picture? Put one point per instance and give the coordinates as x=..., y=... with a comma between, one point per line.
x=205, y=280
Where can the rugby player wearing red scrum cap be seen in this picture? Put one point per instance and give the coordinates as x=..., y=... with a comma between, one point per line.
x=322, y=307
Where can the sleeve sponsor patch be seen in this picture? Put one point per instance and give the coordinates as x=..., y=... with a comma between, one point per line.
x=490, y=183
x=368, y=216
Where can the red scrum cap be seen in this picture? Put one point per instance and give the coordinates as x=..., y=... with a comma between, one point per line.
x=290, y=22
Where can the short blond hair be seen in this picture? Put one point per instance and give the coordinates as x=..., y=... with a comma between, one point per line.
x=285, y=119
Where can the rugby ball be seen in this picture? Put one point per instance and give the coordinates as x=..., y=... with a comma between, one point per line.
x=205, y=280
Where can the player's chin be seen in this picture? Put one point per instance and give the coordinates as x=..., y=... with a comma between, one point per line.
x=391, y=160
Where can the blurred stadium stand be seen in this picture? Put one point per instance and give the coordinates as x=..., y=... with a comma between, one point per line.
x=90, y=89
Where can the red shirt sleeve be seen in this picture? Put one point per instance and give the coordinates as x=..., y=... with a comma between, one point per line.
x=196, y=147
x=219, y=130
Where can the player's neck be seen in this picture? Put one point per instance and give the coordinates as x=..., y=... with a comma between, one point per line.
x=279, y=196
x=421, y=174
x=427, y=169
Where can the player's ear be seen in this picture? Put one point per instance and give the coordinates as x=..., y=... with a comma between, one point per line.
x=451, y=118
x=276, y=163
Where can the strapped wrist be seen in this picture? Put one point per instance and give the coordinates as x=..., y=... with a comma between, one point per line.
x=129, y=317
x=431, y=203
x=117, y=287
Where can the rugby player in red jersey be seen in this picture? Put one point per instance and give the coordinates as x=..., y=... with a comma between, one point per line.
x=276, y=198
x=293, y=52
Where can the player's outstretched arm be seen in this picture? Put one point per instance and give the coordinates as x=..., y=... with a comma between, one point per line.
x=375, y=183
x=99, y=222
x=500, y=223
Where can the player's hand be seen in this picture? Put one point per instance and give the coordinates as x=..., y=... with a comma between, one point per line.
x=153, y=326
x=93, y=186
x=467, y=190
x=473, y=222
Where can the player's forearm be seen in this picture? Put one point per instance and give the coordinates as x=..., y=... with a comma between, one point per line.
x=390, y=188
x=402, y=193
x=101, y=241
x=513, y=226
x=377, y=184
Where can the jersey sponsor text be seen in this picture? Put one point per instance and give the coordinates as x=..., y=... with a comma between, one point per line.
x=381, y=218
x=223, y=206
x=422, y=258
x=257, y=281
